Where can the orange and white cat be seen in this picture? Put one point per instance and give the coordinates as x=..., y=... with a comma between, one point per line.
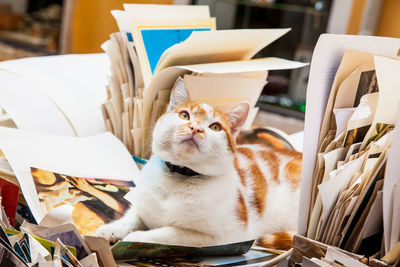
x=200, y=189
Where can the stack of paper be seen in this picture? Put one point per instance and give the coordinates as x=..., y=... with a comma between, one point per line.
x=345, y=190
x=157, y=44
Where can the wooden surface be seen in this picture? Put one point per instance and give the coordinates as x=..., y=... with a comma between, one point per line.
x=389, y=22
x=92, y=23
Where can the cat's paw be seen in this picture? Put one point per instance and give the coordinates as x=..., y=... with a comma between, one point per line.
x=138, y=236
x=113, y=232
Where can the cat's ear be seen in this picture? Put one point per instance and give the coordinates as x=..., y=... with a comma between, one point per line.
x=237, y=117
x=179, y=94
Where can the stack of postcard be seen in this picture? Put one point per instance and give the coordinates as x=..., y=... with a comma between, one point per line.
x=346, y=188
x=159, y=43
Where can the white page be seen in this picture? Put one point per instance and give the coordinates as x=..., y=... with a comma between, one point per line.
x=338, y=180
x=146, y=11
x=325, y=61
x=218, y=46
x=122, y=19
x=208, y=88
x=395, y=224
x=372, y=222
x=30, y=108
x=342, y=116
x=333, y=254
x=387, y=74
x=330, y=159
x=75, y=83
x=100, y=156
x=392, y=177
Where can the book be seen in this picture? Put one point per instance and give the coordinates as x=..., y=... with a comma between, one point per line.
x=151, y=51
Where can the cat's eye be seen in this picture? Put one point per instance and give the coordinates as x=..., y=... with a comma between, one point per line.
x=215, y=127
x=184, y=115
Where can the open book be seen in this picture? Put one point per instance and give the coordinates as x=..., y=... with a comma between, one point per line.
x=157, y=44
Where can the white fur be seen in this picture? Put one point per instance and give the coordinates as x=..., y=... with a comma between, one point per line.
x=200, y=210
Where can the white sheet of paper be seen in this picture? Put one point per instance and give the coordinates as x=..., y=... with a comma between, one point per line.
x=57, y=216
x=342, y=115
x=218, y=46
x=387, y=72
x=37, y=249
x=339, y=178
x=392, y=177
x=122, y=19
x=100, y=156
x=207, y=88
x=90, y=261
x=395, y=224
x=334, y=254
x=75, y=83
x=373, y=221
x=331, y=159
x=325, y=61
x=30, y=108
x=146, y=11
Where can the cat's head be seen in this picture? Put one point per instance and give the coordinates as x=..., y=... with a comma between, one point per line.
x=196, y=135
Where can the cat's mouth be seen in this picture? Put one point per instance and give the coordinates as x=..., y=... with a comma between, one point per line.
x=190, y=141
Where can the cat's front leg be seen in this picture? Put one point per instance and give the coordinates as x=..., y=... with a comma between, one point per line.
x=118, y=229
x=172, y=236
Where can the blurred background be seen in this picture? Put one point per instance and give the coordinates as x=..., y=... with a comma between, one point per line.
x=48, y=27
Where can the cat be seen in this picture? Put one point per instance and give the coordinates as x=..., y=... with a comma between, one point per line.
x=200, y=189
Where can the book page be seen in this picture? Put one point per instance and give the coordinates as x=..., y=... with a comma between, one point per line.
x=208, y=88
x=100, y=156
x=146, y=11
x=30, y=108
x=219, y=46
x=152, y=38
x=75, y=83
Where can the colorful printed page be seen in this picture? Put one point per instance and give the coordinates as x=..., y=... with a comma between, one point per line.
x=95, y=201
x=152, y=38
x=100, y=156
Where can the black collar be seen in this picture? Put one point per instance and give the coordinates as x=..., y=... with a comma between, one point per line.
x=181, y=169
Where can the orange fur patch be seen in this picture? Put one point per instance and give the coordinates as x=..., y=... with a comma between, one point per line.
x=293, y=172
x=241, y=172
x=201, y=114
x=273, y=163
x=275, y=142
x=259, y=189
x=290, y=153
x=281, y=241
x=241, y=209
x=246, y=152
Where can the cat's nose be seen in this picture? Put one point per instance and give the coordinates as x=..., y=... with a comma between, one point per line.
x=195, y=130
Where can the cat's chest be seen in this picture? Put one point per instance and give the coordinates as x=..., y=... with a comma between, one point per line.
x=164, y=200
